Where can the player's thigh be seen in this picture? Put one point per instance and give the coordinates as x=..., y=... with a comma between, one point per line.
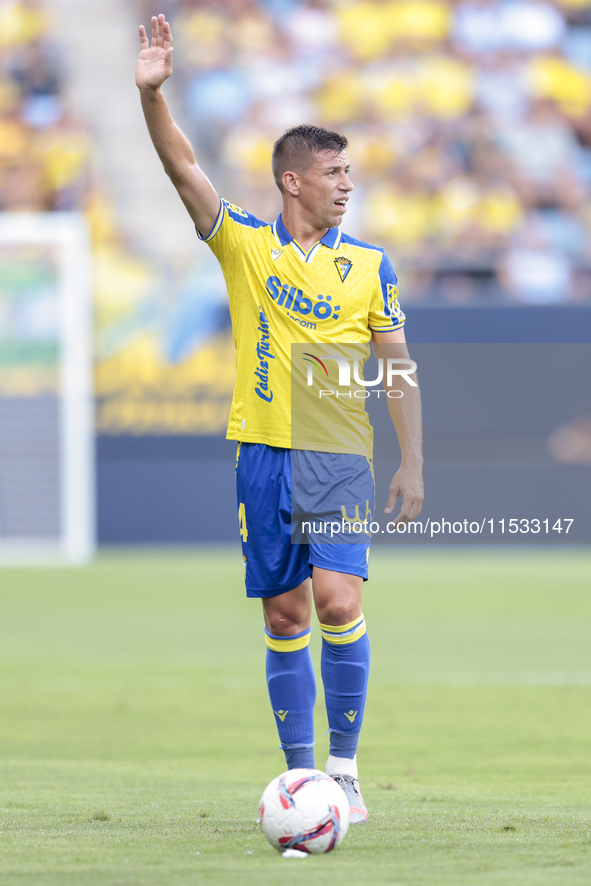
x=272, y=564
x=334, y=494
x=332, y=497
x=337, y=596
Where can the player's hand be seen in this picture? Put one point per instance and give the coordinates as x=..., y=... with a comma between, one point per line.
x=154, y=65
x=408, y=484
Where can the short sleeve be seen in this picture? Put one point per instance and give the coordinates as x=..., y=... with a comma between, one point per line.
x=231, y=226
x=385, y=313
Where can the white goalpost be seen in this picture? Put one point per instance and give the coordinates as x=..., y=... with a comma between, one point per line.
x=47, y=486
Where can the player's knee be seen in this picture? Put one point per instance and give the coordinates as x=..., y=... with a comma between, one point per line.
x=339, y=612
x=283, y=624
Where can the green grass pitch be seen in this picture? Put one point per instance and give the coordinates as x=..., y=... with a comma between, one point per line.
x=136, y=736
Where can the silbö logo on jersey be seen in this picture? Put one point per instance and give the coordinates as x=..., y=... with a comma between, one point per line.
x=298, y=306
x=264, y=354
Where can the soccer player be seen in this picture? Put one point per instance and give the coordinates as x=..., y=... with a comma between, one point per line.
x=300, y=270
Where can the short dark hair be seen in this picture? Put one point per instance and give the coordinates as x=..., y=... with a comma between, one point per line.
x=296, y=148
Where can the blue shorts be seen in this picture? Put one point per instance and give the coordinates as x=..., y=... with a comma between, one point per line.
x=293, y=506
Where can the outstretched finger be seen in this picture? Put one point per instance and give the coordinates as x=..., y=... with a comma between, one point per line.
x=145, y=43
x=154, y=31
x=161, y=29
x=167, y=35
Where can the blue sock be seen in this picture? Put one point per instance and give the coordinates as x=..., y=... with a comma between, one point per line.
x=292, y=690
x=345, y=671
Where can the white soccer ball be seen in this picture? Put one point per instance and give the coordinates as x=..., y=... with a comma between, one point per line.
x=304, y=809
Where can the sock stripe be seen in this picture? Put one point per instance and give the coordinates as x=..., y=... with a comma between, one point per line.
x=348, y=638
x=287, y=644
x=340, y=629
x=339, y=635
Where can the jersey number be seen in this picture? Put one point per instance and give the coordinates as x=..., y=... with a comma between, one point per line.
x=242, y=521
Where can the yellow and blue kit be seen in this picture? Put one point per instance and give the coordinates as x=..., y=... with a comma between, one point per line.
x=340, y=291
x=285, y=498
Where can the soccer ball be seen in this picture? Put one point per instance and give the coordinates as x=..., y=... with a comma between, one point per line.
x=304, y=809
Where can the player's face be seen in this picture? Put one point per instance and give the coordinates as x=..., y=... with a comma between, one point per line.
x=324, y=189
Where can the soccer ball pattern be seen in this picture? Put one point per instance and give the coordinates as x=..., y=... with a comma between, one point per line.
x=304, y=809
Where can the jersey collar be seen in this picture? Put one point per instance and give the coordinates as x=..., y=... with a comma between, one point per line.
x=332, y=238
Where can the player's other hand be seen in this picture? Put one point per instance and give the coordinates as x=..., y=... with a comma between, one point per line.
x=408, y=484
x=154, y=65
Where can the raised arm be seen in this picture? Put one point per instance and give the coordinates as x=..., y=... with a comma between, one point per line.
x=154, y=66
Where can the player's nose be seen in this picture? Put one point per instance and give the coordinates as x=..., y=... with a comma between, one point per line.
x=346, y=184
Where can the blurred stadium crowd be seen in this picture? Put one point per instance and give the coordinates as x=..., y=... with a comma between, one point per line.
x=45, y=155
x=469, y=124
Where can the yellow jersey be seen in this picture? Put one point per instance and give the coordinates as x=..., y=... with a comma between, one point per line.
x=280, y=295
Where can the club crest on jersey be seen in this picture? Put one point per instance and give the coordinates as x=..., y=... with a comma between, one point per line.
x=343, y=266
x=275, y=253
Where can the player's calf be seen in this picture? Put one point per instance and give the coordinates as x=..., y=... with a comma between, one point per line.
x=292, y=691
x=345, y=671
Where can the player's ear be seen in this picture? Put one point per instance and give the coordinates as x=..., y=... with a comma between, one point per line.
x=291, y=183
